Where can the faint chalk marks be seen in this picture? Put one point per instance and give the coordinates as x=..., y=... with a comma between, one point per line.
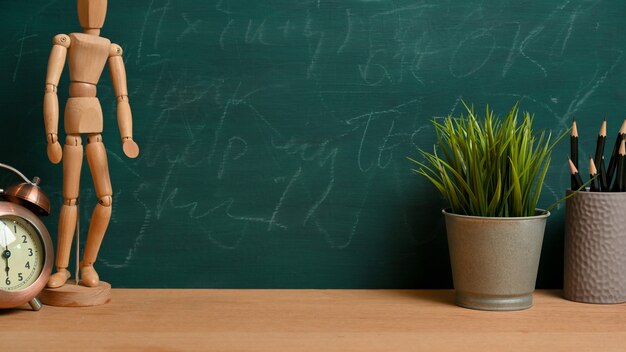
x=563, y=5
x=123, y=161
x=253, y=35
x=375, y=115
x=415, y=135
x=569, y=29
x=518, y=49
x=386, y=145
x=162, y=200
x=272, y=221
x=582, y=95
x=462, y=50
x=522, y=97
x=285, y=29
x=220, y=125
x=219, y=6
x=456, y=103
x=348, y=35
x=387, y=148
x=224, y=31
x=306, y=151
x=220, y=243
x=227, y=153
x=421, y=50
x=309, y=33
x=140, y=237
x=192, y=27
x=42, y=9
x=368, y=69
x=143, y=31
x=21, y=53
x=405, y=8
x=151, y=11
x=367, y=124
x=555, y=196
x=331, y=183
x=335, y=243
x=169, y=195
x=157, y=34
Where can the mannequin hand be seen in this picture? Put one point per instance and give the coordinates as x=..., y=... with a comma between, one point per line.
x=55, y=152
x=131, y=149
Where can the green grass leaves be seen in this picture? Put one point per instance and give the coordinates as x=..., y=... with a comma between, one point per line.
x=486, y=166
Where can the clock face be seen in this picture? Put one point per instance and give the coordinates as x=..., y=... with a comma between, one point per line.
x=21, y=253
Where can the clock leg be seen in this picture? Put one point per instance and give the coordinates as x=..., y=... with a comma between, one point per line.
x=35, y=303
x=72, y=163
x=96, y=156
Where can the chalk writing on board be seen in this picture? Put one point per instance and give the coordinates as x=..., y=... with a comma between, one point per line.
x=273, y=128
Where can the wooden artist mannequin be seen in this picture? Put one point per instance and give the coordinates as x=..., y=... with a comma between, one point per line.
x=87, y=53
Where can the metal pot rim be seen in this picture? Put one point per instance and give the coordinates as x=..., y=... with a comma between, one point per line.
x=543, y=214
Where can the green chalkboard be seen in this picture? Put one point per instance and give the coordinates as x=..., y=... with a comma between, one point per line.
x=274, y=134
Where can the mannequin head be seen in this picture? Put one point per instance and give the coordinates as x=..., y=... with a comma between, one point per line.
x=91, y=14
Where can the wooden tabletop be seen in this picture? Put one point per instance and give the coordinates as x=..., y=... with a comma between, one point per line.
x=312, y=320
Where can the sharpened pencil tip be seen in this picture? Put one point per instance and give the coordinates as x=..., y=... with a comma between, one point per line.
x=592, y=167
x=572, y=167
x=603, y=128
x=574, y=129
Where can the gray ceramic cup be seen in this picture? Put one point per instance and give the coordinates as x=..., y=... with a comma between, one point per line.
x=595, y=247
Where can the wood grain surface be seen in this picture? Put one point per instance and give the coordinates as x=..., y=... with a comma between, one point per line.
x=312, y=320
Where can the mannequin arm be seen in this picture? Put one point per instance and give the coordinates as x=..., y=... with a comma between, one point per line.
x=51, y=101
x=124, y=116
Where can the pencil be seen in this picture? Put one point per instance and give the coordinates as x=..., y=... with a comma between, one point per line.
x=618, y=186
x=600, y=143
x=613, y=162
x=600, y=155
x=603, y=181
x=593, y=173
x=577, y=181
x=574, y=150
x=623, y=188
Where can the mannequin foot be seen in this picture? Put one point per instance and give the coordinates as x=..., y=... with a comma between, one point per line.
x=89, y=276
x=59, y=278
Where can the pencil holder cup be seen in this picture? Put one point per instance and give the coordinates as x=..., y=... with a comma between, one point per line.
x=595, y=247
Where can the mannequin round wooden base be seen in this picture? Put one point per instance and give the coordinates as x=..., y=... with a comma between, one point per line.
x=72, y=295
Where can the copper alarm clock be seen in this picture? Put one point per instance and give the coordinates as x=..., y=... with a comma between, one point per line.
x=26, y=251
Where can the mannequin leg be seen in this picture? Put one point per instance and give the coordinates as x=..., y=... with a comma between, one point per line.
x=72, y=163
x=97, y=158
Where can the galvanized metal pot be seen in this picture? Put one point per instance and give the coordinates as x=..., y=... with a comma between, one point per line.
x=595, y=247
x=495, y=260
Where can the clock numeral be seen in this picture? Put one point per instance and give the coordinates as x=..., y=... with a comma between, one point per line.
x=20, y=277
x=7, y=281
x=30, y=252
x=24, y=239
x=27, y=266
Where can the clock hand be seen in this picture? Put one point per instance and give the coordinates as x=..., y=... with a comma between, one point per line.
x=6, y=254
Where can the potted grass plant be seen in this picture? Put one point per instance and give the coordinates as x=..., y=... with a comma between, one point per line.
x=491, y=171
